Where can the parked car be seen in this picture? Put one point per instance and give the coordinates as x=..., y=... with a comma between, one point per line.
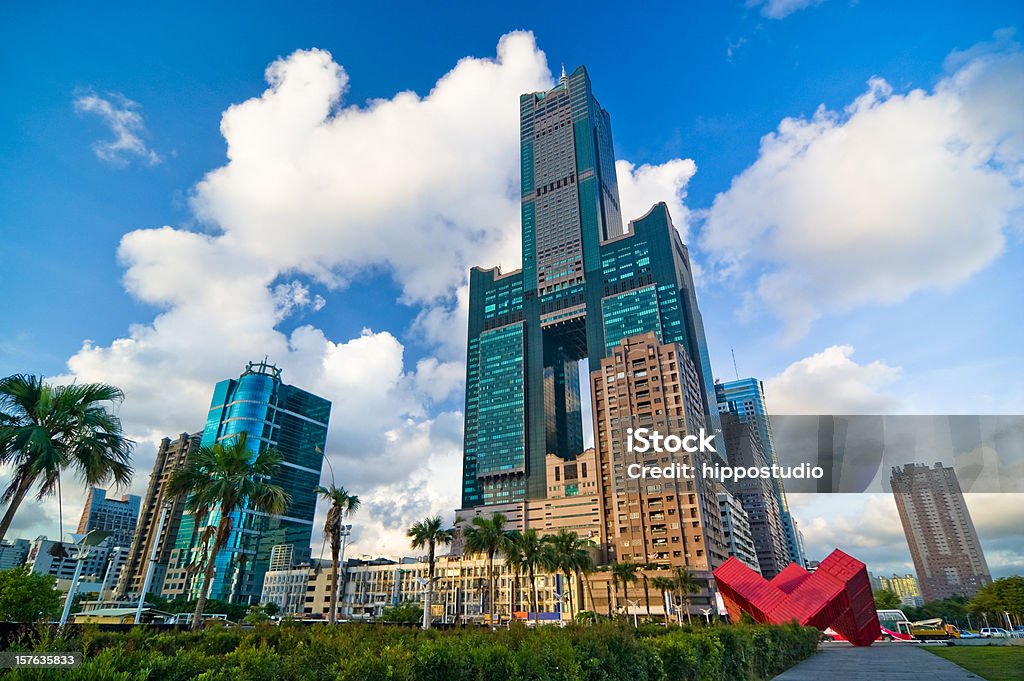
x=968, y=634
x=989, y=632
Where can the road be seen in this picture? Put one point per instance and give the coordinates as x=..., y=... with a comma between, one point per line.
x=889, y=661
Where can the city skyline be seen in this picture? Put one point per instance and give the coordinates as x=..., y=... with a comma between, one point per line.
x=378, y=325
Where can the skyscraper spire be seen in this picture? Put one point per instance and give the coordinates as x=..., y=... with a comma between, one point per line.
x=563, y=72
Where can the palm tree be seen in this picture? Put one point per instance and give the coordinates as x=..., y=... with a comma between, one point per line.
x=342, y=504
x=569, y=554
x=513, y=554
x=531, y=552
x=45, y=429
x=429, y=533
x=685, y=584
x=647, y=591
x=487, y=536
x=226, y=478
x=585, y=567
x=624, y=574
x=667, y=586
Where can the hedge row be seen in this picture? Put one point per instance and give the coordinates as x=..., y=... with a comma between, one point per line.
x=366, y=653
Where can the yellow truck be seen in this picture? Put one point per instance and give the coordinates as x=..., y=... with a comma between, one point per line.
x=936, y=629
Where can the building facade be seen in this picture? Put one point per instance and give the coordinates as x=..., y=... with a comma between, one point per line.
x=668, y=522
x=100, y=564
x=744, y=398
x=585, y=284
x=906, y=587
x=119, y=517
x=274, y=415
x=757, y=495
x=13, y=553
x=947, y=554
x=736, y=527
x=170, y=457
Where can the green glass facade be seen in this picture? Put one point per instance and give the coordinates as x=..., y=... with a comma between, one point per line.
x=273, y=415
x=585, y=284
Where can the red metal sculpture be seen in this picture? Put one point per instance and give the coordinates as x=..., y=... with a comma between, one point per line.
x=837, y=594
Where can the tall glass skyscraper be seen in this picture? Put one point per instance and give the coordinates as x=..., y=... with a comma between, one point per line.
x=273, y=415
x=744, y=398
x=586, y=283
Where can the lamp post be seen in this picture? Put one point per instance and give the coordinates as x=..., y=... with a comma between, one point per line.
x=87, y=541
x=636, y=606
x=344, y=533
x=152, y=563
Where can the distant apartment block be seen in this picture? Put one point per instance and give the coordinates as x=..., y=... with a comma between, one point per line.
x=736, y=526
x=13, y=553
x=116, y=516
x=943, y=542
x=906, y=587
x=744, y=399
x=757, y=496
x=170, y=456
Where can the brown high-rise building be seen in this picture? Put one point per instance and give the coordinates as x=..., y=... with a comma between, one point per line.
x=667, y=522
x=169, y=457
x=943, y=542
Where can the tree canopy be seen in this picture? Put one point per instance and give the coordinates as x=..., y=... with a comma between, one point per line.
x=27, y=596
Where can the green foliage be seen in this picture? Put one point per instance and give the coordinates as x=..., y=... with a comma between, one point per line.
x=951, y=609
x=886, y=599
x=606, y=652
x=409, y=612
x=260, y=613
x=1002, y=595
x=26, y=596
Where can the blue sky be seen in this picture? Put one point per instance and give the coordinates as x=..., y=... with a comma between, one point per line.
x=703, y=81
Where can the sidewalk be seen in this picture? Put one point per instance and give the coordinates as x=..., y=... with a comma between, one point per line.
x=889, y=661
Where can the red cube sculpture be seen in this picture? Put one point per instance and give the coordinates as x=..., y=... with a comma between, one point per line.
x=837, y=594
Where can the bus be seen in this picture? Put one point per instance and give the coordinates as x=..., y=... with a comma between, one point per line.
x=893, y=626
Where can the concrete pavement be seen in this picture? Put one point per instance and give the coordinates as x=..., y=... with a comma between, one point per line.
x=889, y=661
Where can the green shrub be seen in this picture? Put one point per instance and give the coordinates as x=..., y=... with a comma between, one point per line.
x=607, y=651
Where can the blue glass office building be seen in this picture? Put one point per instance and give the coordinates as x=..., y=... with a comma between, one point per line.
x=273, y=415
x=586, y=283
x=745, y=399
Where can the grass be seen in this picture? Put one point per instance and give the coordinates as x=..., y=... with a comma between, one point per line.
x=994, y=663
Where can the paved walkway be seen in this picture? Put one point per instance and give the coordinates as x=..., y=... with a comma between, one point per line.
x=888, y=661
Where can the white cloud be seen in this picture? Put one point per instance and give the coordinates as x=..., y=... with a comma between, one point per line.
x=780, y=9
x=316, y=194
x=640, y=188
x=830, y=382
x=121, y=115
x=899, y=193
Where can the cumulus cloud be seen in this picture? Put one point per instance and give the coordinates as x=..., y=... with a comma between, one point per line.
x=831, y=382
x=896, y=194
x=316, y=194
x=121, y=116
x=780, y=9
x=640, y=188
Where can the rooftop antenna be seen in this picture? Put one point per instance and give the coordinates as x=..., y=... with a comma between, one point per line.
x=563, y=71
x=734, y=368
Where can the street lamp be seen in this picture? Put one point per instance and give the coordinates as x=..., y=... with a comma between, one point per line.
x=636, y=606
x=707, y=614
x=152, y=563
x=89, y=540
